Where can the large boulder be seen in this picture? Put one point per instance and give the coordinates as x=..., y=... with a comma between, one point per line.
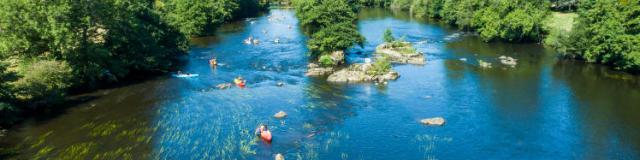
x=280, y=115
x=337, y=57
x=437, y=121
x=359, y=73
x=279, y=157
x=405, y=54
x=317, y=70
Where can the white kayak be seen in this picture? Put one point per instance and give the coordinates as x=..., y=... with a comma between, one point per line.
x=185, y=75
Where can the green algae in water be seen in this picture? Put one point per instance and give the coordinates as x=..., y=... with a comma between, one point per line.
x=104, y=129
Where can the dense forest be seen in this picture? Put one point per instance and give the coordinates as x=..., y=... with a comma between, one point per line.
x=50, y=47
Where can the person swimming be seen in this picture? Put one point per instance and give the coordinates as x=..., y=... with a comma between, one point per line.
x=263, y=132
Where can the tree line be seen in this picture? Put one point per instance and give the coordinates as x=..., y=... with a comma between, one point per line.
x=606, y=31
x=50, y=47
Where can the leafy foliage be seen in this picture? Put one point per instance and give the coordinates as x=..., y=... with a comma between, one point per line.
x=507, y=20
x=330, y=23
x=401, y=4
x=201, y=17
x=336, y=37
x=326, y=60
x=48, y=47
x=381, y=66
x=375, y=3
x=388, y=36
x=6, y=109
x=427, y=8
x=44, y=80
x=606, y=32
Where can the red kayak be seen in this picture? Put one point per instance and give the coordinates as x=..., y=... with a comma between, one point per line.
x=265, y=135
x=239, y=82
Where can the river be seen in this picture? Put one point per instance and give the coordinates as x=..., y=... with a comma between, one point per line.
x=544, y=108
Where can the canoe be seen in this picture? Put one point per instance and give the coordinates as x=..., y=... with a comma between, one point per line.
x=266, y=135
x=185, y=75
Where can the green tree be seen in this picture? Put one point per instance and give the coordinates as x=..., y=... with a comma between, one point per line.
x=381, y=66
x=388, y=36
x=44, y=80
x=7, y=111
x=607, y=32
x=100, y=40
x=427, y=8
x=202, y=17
x=331, y=24
x=401, y=4
x=510, y=20
x=334, y=38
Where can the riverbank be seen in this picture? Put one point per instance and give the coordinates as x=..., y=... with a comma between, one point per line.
x=37, y=74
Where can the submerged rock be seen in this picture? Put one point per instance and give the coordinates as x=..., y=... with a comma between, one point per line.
x=280, y=115
x=224, y=86
x=359, y=73
x=314, y=69
x=437, y=121
x=484, y=64
x=405, y=54
x=317, y=70
x=279, y=156
x=509, y=61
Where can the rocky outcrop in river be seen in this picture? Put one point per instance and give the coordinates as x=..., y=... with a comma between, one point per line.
x=400, y=52
x=315, y=69
x=359, y=73
x=436, y=121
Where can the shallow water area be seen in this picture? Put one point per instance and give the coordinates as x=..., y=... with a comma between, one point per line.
x=543, y=108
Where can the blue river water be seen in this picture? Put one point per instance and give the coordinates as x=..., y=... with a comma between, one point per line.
x=544, y=108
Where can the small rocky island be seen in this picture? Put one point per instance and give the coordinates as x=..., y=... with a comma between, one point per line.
x=362, y=72
x=379, y=71
x=316, y=69
x=400, y=52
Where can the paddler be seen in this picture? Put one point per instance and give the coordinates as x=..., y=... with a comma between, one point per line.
x=213, y=62
x=239, y=82
x=263, y=132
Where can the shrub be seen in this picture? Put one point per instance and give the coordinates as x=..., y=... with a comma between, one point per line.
x=45, y=81
x=380, y=66
x=388, y=36
x=326, y=60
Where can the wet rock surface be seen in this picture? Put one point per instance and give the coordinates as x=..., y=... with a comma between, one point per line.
x=401, y=54
x=359, y=73
x=315, y=69
x=280, y=115
x=436, y=121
